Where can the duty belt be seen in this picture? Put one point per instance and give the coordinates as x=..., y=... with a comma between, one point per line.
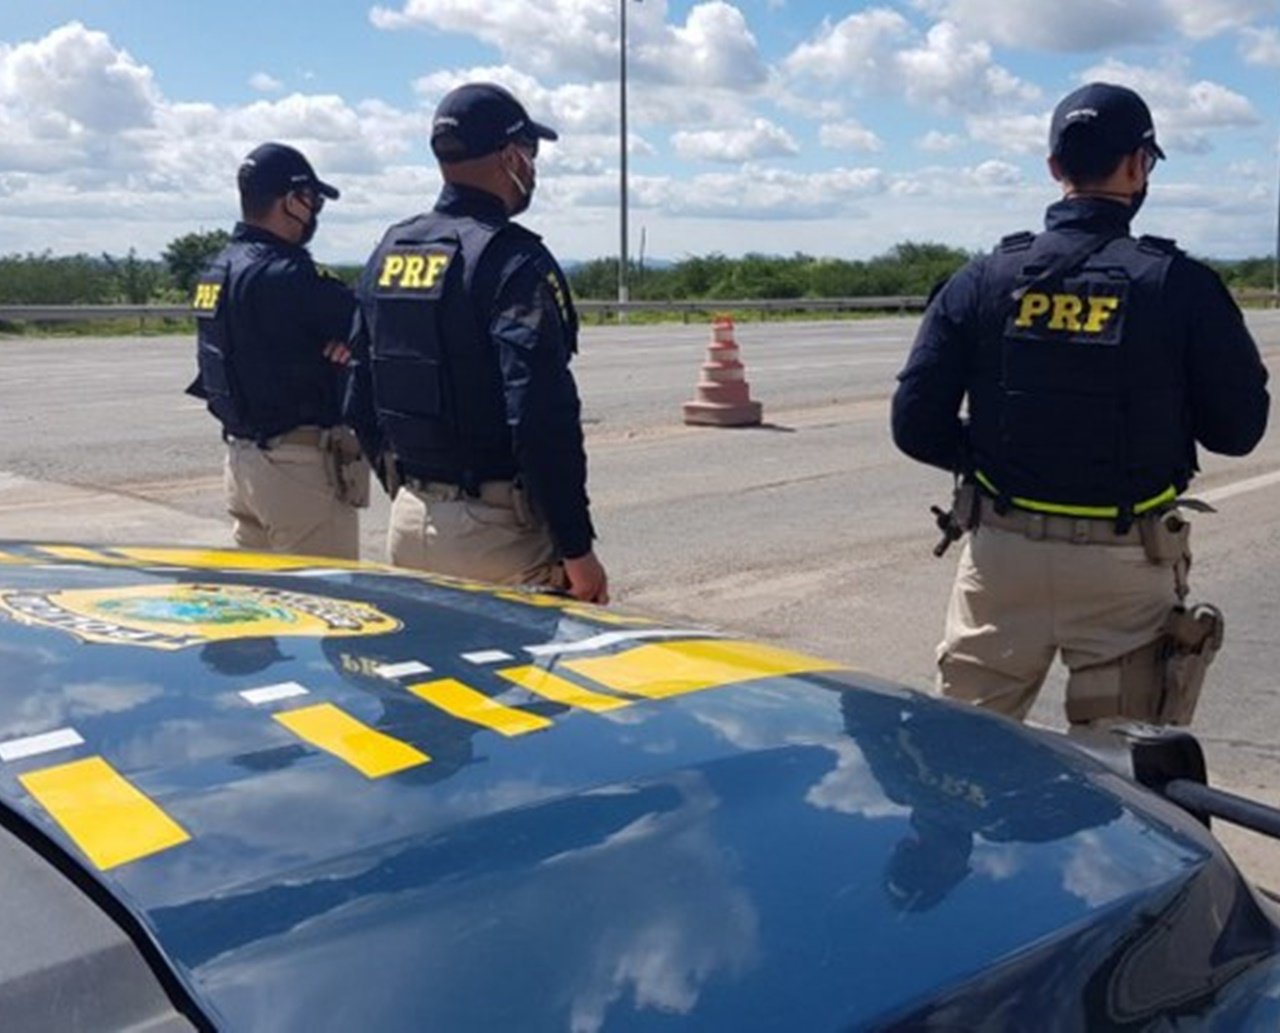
x=1080, y=512
x=1081, y=530
x=315, y=436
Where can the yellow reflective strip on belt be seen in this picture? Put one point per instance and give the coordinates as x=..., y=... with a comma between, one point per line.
x=1088, y=512
x=103, y=813
x=366, y=749
x=671, y=668
x=462, y=701
x=561, y=690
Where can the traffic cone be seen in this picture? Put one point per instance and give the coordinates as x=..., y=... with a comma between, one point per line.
x=723, y=397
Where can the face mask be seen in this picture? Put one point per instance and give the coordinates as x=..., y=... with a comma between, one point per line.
x=526, y=189
x=1135, y=202
x=308, y=227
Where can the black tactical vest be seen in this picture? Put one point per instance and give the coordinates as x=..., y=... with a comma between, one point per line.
x=1078, y=396
x=437, y=381
x=255, y=386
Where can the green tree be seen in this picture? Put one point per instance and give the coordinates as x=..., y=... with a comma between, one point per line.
x=187, y=255
x=136, y=281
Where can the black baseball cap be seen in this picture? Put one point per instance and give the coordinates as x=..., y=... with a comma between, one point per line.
x=274, y=169
x=479, y=118
x=1113, y=119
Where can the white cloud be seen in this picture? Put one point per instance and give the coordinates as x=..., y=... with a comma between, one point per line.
x=1261, y=47
x=937, y=142
x=264, y=83
x=878, y=52
x=73, y=80
x=995, y=174
x=1096, y=24
x=762, y=139
x=567, y=38
x=849, y=135
x=1200, y=19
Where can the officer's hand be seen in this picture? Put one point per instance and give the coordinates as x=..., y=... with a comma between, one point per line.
x=337, y=352
x=587, y=580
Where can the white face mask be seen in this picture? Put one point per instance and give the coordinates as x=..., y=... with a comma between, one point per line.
x=526, y=189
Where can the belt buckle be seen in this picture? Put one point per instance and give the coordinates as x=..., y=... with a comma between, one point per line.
x=1081, y=531
x=1035, y=526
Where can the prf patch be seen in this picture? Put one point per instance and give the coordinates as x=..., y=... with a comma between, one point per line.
x=207, y=297
x=414, y=271
x=1083, y=311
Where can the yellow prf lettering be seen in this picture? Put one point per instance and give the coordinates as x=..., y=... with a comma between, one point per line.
x=392, y=266
x=206, y=296
x=435, y=265
x=412, y=276
x=1066, y=312
x=1100, y=309
x=1033, y=304
x=412, y=272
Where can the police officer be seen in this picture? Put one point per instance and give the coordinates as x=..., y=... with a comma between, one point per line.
x=272, y=334
x=1092, y=364
x=463, y=393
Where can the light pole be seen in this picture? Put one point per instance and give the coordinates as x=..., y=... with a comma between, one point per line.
x=622, y=162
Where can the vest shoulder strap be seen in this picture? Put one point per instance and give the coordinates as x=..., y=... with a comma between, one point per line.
x=1159, y=245
x=1019, y=241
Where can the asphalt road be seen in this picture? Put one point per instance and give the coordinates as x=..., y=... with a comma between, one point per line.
x=811, y=531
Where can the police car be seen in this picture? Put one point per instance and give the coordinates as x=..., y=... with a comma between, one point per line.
x=251, y=792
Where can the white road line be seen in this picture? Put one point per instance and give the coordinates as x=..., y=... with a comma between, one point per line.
x=400, y=670
x=613, y=638
x=271, y=693
x=33, y=745
x=1265, y=480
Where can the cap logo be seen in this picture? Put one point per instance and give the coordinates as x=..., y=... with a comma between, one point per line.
x=515, y=127
x=1079, y=113
x=446, y=121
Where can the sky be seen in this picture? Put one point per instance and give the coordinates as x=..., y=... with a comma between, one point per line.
x=772, y=126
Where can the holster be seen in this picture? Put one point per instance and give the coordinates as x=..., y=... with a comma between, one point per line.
x=1192, y=639
x=1166, y=540
x=350, y=470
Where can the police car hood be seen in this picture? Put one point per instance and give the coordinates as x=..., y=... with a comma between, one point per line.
x=347, y=798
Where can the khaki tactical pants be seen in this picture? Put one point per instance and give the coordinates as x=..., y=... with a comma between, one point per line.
x=1098, y=599
x=286, y=497
x=496, y=537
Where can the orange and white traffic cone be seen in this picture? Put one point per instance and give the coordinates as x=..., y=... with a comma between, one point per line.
x=722, y=397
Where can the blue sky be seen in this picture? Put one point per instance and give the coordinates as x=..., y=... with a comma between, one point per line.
x=761, y=125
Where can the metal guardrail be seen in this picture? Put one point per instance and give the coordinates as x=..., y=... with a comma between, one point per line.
x=604, y=309
x=903, y=303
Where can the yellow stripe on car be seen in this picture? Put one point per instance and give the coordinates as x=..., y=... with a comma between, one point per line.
x=462, y=701
x=333, y=730
x=561, y=690
x=105, y=815
x=662, y=669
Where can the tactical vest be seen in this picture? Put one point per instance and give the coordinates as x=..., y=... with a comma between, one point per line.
x=437, y=382
x=1078, y=400
x=257, y=388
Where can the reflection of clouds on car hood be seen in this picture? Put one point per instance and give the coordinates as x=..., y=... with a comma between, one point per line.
x=1098, y=876
x=851, y=788
x=54, y=705
x=639, y=917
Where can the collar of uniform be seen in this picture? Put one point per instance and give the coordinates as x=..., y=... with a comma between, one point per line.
x=257, y=235
x=456, y=199
x=1088, y=213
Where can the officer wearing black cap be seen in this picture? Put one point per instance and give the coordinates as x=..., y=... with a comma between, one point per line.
x=463, y=394
x=1092, y=364
x=271, y=348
